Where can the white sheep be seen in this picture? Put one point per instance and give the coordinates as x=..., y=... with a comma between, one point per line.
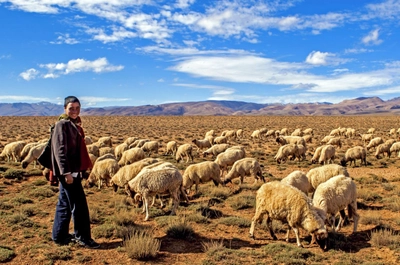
x=327, y=154
x=279, y=201
x=106, y=150
x=297, y=132
x=210, y=133
x=320, y=174
x=119, y=149
x=284, y=131
x=247, y=166
x=270, y=133
x=335, y=195
x=255, y=135
x=150, y=146
x=130, y=140
x=382, y=149
x=308, y=138
x=33, y=155
x=231, y=134
x=88, y=140
x=327, y=139
x=240, y=134
x=105, y=141
x=201, y=173
x=93, y=149
x=282, y=140
x=184, y=150
x=395, y=148
x=354, y=153
x=390, y=141
x=297, y=179
x=317, y=154
x=286, y=151
x=148, y=183
x=102, y=172
x=138, y=143
x=128, y=172
x=171, y=148
x=26, y=149
x=228, y=158
x=365, y=137
x=350, y=133
x=12, y=151
x=220, y=140
x=308, y=131
x=301, y=152
x=201, y=144
x=371, y=130
x=392, y=132
x=335, y=132
x=335, y=141
x=374, y=142
x=216, y=150
x=131, y=155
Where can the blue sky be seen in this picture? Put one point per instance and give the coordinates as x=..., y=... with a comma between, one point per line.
x=138, y=52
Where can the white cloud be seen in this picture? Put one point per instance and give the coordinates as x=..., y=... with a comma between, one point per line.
x=190, y=51
x=118, y=34
x=318, y=58
x=372, y=38
x=160, y=80
x=12, y=98
x=184, y=3
x=29, y=74
x=7, y=56
x=93, y=101
x=356, y=51
x=65, y=38
x=389, y=9
x=381, y=92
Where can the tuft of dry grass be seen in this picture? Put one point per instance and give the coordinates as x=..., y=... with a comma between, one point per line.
x=141, y=245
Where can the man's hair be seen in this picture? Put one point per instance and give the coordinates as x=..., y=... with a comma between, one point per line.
x=71, y=99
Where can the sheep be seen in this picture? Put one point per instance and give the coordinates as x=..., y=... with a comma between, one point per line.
x=285, y=151
x=297, y=179
x=201, y=173
x=216, y=150
x=88, y=140
x=327, y=138
x=392, y=132
x=93, y=149
x=153, y=181
x=279, y=201
x=27, y=148
x=12, y=151
x=130, y=140
x=106, y=156
x=395, y=148
x=317, y=154
x=334, y=196
x=92, y=158
x=150, y=146
x=297, y=132
x=354, y=153
x=342, y=131
x=365, y=137
x=231, y=134
x=371, y=130
x=308, y=138
x=390, y=141
x=210, y=139
x=320, y=174
x=381, y=149
x=33, y=154
x=327, y=154
x=255, y=135
x=103, y=170
x=128, y=172
x=205, y=143
x=172, y=147
x=138, y=143
x=270, y=133
x=244, y=167
x=301, y=152
x=282, y=140
x=350, y=133
x=131, y=155
x=240, y=133
x=220, y=140
x=335, y=132
x=228, y=158
x=335, y=141
x=119, y=149
x=104, y=142
x=210, y=133
x=284, y=131
x=106, y=150
x=184, y=150
x=373, y=143
x=308, y=131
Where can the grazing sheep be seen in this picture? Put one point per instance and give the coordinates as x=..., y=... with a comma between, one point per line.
x=172, y=147
x=327, y=138
x=12, y=151
x=282, y=140
x=220, y=140
x=240, y=134
x=270, y=133
x=201, y=173
x=317, y=154
x=390, y=141
x=128, y=172
x=130, y=140
x=366, y=137
x=371, y=130
x=320, y=174
x=205, y=143
x=308, y=131
x=138, y=143
x=392, y=132
x=210, y=133
x=284, y=131
x=104, y=142
x=33, y=155
x=106, y=156
x=216, y=150
x=228, y=158
x=308, y=138
x=279, y=201
x=119, y=149
x=327, y=154
x=184, y=150
x=150, y=146
x=255, y=135
x=350, y=133
x=92, y=158
x=26, y=149
x=103, y=170
x=131, y=155
x=382, y=149
x=335, y=195
x=354, y=153
x=335, y=141
x=335, y=132
x=245, y=167
x=395, y=148
x=148, y=183
x=231, y=134
x=286, y=151
x=106, y=150
x=93, y=149
x=301, y=152
x=297, y=179
x=88, y=140
x=374, y=143
x=297, y=132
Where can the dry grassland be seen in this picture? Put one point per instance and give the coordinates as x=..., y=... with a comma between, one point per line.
x=220, y=235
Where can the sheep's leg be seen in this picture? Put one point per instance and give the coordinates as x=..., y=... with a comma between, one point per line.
x=258, y=217
x=296, y=232
x=341, y=220
x=146, y=206
x=271, y=231
x=287, y=235
x=175, y=201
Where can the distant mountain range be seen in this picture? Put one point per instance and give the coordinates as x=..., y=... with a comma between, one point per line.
x=358, y=106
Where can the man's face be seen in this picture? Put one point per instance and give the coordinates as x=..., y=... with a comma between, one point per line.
x=73, y=109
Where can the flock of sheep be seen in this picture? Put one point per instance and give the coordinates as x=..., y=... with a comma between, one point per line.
x=307, y=200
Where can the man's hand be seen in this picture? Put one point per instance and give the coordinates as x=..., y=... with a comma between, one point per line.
x=69, y=179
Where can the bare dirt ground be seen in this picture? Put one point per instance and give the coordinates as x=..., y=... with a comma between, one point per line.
x=27, y=204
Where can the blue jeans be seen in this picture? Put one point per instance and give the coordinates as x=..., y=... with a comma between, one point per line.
x=71, y=202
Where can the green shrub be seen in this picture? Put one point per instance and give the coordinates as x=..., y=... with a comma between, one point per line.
x=235, y=221
x=6, y=254
x=180, y=229
x=242, y=202
x=14, y=174
x=59, y=253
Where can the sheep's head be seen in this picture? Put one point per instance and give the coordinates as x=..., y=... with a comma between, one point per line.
x=343, y=162
x=138, y=200
x=24, y=164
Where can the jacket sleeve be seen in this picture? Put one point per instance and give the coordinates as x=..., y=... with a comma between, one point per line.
x=59, y=146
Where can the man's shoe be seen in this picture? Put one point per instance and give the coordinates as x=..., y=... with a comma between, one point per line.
x=88, y=243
